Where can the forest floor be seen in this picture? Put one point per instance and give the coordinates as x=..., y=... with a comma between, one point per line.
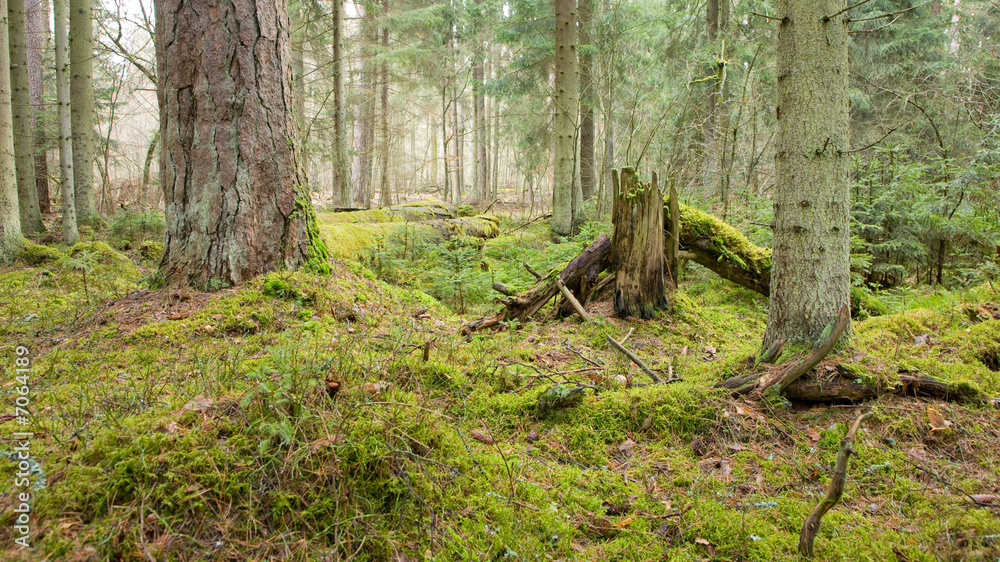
x=342, y=417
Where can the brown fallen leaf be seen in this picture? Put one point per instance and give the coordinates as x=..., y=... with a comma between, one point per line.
x=937, y=421
x=811, y=433
x=482, y=437
x=199, y=403
x=624, y=522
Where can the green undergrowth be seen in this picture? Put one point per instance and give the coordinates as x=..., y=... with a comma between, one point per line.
x=304, y=416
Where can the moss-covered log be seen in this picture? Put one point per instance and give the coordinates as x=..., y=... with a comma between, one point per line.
x=832, y=381
x=430, y=209
x=638, y=247
x=351, y=240
x=724, y=250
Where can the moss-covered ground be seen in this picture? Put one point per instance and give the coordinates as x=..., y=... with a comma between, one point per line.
x=343, y=417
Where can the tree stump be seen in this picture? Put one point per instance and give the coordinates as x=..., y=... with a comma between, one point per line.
x=637, y=243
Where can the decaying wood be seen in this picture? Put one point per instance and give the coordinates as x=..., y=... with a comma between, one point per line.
x=638, y=242
x=760, y=381
x=808, y=534
x=837, y=382
x=503, y=289
x=721, y=248
x=830, y=336
x=632, y=357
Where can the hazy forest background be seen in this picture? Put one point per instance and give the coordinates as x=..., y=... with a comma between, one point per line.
x=416, y=396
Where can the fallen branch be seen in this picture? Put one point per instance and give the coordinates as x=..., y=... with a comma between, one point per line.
x=827, y=339
x=572, y=300
x=808, y=534
x=632, y=357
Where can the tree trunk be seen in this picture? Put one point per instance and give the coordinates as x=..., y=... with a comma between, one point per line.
x=298, y=33
x=81, y=62
x=339, y=120
x=480, y=186
x=385, y=196
x=640, y=289
x=565, y=98
x=444, y=141
x=38, y=39
x=364, y=129
x=11, y=241
x=147, y=165
x=60, y=9
x=235, y=201
x=810, y=278
x=27, y=192
x=588, y=155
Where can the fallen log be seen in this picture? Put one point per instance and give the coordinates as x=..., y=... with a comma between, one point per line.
x=353, y=240
x=722, y=248
x=832, y=381
x=579, y=274
x=430, y=209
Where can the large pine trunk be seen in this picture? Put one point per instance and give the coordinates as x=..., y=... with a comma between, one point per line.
x=11, y=240
x=235, y=201
x=637, y=242
x=588, y=97
x=81, y=61
x=27, y=192
x=810, y=278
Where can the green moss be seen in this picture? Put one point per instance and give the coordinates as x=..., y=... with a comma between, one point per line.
x=38, y=254
x=866, y=305
x=729, y=241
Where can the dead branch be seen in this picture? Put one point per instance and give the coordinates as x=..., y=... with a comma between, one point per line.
x=572, y=300
x=808, y=534
x=632, y=357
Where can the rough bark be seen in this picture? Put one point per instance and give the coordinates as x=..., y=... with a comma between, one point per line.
x=11, y=241
x=810, y=272
x=343, y=185
x=81, y=62
x=60, y=10
x=588, y=100
x=235, y=201
x=640, y=289
x=38, y=38
x=565, y=98
x=27, y=192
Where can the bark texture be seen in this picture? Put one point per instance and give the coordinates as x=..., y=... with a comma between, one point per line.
x=60, y=10
x=343, y=183
x=235, y=202
x=810, y=274
x=27, y=192
x=37, y=14
x=81, y=62
x=11, y=240
x=588, y=97
x=566, y=99
x=640, y=289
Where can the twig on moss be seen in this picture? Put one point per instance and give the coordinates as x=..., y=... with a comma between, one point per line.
x=638, y=362
x=808, y=534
